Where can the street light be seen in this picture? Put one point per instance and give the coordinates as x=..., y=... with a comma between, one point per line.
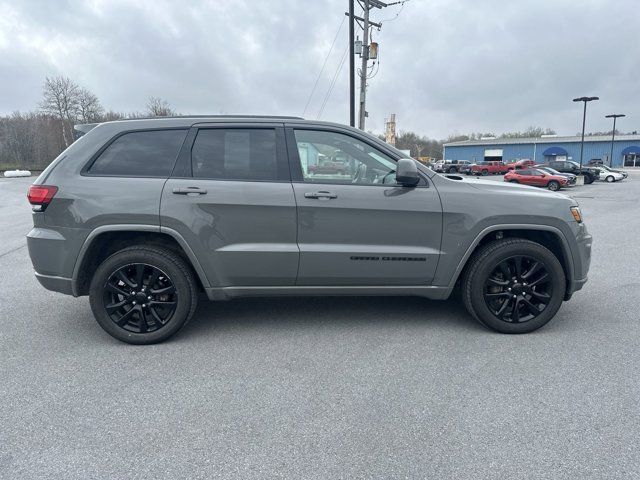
x=584, y=117
x=613, y=134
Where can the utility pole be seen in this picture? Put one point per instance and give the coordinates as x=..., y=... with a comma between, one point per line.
x=352, y=68
x=366, y=51
x=365, y=60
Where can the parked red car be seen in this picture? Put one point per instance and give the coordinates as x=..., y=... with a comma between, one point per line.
x=486, y=168
x=536, y=178
x=521, y=164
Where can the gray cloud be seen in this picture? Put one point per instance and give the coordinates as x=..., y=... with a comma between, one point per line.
x=445, y=66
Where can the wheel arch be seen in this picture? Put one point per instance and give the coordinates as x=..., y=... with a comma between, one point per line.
x=106, y=240
x=546, y=235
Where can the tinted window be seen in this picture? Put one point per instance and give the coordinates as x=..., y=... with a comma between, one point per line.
x=524, y=172
x=236, y=154
x=331, y=157
x=151, y=154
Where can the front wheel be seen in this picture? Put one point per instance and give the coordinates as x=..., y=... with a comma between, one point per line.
x=143, y=295
x=513, y=285
x=553, y=186
x=610, y=179
x=485, y=172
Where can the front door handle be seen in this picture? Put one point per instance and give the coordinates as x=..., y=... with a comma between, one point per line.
x=189, y=191
x=322, y=194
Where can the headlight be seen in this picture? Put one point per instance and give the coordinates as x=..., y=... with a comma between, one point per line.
x=575, y=211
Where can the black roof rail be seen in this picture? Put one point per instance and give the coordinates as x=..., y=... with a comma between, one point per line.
x=284, y=117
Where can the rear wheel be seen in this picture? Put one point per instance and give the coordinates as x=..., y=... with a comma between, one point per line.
x=143, y=295
x=553, y=186
x=513, y=285
x=453, y=170
x=485, y=172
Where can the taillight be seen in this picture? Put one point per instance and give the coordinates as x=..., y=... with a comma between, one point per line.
x=40, y=196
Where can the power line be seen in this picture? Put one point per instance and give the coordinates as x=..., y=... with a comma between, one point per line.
x=397, y=14
x=333, y=82
x=322, y=69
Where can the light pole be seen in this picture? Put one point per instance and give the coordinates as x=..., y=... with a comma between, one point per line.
x=613, y=133
x=584, y=118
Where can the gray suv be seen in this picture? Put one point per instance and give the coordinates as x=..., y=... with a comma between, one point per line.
x=144, y=215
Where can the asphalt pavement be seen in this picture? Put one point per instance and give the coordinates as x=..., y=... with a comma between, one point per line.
x=307, y=388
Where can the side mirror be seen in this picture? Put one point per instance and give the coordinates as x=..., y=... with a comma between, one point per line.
x=407, y=173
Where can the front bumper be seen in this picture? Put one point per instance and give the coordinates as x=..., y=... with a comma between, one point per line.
x=582, y=263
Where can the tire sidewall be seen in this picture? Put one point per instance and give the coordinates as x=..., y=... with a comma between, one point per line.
x=556, y=186
x=488, y=264
x=149, y=257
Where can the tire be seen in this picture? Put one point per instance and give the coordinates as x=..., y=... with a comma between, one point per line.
x=174, y=297
x=588, y=179
x=610, y=179
x=514, y=181
x=553, y=186
x=485, y=172
x=487, y=261
x=453, y=170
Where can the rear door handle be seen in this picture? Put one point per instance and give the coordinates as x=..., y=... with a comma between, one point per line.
x=189, y=191
x=322, y=194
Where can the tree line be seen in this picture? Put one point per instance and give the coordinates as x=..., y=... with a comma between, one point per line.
x=33, y=139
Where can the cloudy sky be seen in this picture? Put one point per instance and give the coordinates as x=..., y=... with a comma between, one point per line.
x=446, y=66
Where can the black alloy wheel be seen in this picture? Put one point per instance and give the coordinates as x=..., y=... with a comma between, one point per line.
x=143, y=294
x=518, y=289
x=140, y=298
x=513, y=285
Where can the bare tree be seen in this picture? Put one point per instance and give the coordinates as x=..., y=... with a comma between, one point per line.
x=89, y=108
x=157, y=107
x=60, y=98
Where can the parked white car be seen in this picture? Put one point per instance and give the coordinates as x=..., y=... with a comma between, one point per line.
x=609, y=169
x=609, y=175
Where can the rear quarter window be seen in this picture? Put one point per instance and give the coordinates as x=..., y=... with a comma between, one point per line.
x=140, y=154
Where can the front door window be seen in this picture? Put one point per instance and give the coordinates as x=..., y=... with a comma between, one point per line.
x=330, y=157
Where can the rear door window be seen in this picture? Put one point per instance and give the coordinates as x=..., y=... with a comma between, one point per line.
x=238, y=154
x=140, y=154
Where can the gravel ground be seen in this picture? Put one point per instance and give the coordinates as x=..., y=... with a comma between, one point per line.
x=326, y=387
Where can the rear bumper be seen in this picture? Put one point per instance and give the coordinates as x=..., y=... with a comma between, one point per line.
x=53, y=252
x=56, y=284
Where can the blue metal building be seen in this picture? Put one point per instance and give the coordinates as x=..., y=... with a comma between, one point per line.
x=626, y=149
